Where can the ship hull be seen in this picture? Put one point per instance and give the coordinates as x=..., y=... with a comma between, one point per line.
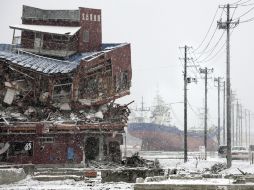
x=167, y=138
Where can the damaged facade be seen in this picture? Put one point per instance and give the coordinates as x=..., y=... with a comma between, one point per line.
x=58, y=84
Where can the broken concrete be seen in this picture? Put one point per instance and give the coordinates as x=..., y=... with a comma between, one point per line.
x=12, y=175
x=129, y=174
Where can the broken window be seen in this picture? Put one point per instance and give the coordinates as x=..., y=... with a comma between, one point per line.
x=21, y=148
x=124, y=79
x=89, y=87
x=86, y=36
x=46, y=139
x=62, y=91
x=60, y=38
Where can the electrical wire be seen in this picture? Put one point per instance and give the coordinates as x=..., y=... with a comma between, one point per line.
x=204, y=50
x=208, y=30
x=203, y=60
x=194, y=64
x=244, y=13
x=241, y=4
x=192, y=109
x=193, y=72
x=220, y=50
x=208, y=58
x=175, y=116
x=236, y=2
x=248, y=20
x=216, y=54
x=246, y=5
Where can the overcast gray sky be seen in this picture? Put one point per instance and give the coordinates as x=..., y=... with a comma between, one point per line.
x=155, y=29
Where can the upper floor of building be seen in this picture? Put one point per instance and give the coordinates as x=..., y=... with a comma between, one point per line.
x=59, y=33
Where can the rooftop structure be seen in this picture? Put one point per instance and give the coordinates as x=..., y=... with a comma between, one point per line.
x=68, y=31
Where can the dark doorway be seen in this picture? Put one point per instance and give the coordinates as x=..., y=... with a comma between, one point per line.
x=114, y=151
x=92, y=148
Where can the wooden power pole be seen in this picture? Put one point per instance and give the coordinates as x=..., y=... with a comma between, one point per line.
x=226, y=26
x=218, y=80
x=205, y=71
x=185, y=102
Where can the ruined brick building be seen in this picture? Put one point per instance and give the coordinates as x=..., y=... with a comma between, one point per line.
x=58, y=83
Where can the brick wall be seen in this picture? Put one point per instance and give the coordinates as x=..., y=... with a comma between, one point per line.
x=90, y=20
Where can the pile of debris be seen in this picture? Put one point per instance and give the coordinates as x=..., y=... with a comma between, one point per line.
x=105, y=113
x=136, y=161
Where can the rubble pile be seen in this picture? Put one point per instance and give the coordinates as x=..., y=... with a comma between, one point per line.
x=218, y=167
x=105, y=113
x=136, y=161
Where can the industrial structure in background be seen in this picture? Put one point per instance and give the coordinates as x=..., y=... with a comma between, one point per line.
x=58, y=84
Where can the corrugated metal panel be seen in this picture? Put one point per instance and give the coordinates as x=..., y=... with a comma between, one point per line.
x=39, y=63
x=49, y=65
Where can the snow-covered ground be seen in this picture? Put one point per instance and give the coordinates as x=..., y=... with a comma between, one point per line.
x=166, y=161
x=30, y=184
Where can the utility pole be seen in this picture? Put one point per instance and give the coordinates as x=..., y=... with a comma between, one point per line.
x=241, y=125
x=218, y=86
x=205, y=71
x=246, y=127
x=226, y=26
x=237, y=124
x=185, y=106
x=249, y=128
x=224, y=113
x=233, y=117
x=185, y=103
x=233, y=124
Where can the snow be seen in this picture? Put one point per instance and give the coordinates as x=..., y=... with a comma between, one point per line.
x=244, y=166
x=30, y=184
x=191, y=167
x=197, y=181
x=61, y=30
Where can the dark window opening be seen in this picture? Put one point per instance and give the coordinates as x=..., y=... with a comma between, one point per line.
x=46, y=139
x=62, y=91
x=21, y=148
x=86, y=36
x=125, y=79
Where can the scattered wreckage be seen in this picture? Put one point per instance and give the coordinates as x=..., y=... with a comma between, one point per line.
x=58, y=85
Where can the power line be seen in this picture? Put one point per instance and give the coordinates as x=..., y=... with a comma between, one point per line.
x=176, y=117
x=192, y=109
x=204, y=50
x=244, y=13
x=193, y=72
x=207, y=31
x=237, y=2
x=247, y=5
x=207, y=59
x=219, y=51
x=241, y=4
x=248, y=20
x=213, y=48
